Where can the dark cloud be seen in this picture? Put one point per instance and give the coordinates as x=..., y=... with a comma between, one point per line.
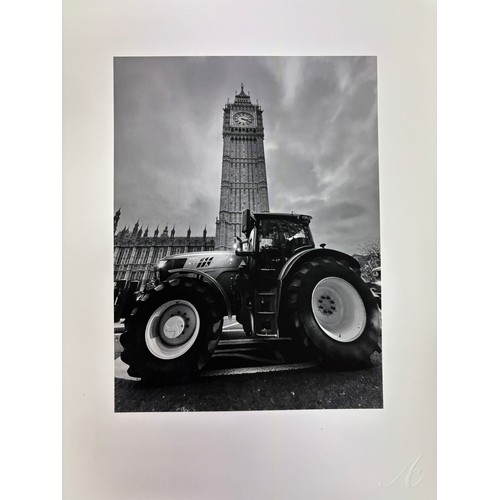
x=320, y=118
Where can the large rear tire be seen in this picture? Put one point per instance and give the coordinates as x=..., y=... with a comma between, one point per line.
x=330, y=308
x=172, y=332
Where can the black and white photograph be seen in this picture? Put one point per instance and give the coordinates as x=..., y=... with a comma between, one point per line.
x=247, y=262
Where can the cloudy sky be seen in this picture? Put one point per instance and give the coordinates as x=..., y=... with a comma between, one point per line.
x=320, y=125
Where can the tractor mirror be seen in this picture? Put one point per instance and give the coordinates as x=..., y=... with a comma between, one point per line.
x=240, y=244
x=241, y=248
x=246, y=222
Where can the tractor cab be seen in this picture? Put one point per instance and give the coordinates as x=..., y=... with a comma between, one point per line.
x=272, y=239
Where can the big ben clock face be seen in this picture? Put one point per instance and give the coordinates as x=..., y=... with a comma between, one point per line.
x=243, y=118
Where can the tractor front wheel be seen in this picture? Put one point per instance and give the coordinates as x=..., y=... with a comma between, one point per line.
x=172, y=332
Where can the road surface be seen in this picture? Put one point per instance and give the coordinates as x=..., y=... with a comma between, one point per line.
x=242, y=377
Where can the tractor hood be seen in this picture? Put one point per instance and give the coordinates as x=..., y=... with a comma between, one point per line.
x=201, y=261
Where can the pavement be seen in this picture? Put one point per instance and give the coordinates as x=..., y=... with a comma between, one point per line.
x=245, y=374
x=310, y=388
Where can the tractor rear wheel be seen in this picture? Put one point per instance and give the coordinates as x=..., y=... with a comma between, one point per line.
x=331, y=309
x=172, y=332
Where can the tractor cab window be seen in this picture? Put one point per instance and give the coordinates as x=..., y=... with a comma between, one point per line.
x=284, y=235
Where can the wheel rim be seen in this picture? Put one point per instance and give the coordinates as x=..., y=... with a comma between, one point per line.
x=338, y=309
x=172, y=329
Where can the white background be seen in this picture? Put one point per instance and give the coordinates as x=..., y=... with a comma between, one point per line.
x=468, y=212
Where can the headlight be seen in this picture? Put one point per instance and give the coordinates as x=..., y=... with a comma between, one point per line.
x=166, y=265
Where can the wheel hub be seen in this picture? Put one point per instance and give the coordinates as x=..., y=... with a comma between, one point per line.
x=173, y=327
x=326, y=305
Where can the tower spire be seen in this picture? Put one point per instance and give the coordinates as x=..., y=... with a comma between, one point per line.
x=116, y=219
x=136, y=228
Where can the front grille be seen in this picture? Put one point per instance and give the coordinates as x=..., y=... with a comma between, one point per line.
x=204, y=262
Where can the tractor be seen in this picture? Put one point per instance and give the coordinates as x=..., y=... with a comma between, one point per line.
x=275, y=282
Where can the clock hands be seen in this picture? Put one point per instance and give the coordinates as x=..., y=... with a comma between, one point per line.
x=243, y=119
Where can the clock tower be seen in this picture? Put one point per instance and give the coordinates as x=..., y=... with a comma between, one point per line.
x=244, y=182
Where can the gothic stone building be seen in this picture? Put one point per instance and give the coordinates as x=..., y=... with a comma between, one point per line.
x=136, y=253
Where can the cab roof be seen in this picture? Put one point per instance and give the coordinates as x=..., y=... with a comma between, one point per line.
x=278, y=215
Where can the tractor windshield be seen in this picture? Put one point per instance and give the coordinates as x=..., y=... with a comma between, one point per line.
x=283, y=234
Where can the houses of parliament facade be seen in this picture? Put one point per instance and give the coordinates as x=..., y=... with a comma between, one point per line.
x=136, y=253
x=243, y=185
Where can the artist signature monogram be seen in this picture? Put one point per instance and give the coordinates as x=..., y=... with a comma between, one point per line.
x=411, y=475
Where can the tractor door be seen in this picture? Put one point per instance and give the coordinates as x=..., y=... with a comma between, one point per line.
x=271, y=253
x=257, y=281
x=271, y=242
x=277, y=240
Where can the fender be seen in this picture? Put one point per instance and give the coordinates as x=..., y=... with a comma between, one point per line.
x=211, y=281
x=311, y=252
x=320, y=252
